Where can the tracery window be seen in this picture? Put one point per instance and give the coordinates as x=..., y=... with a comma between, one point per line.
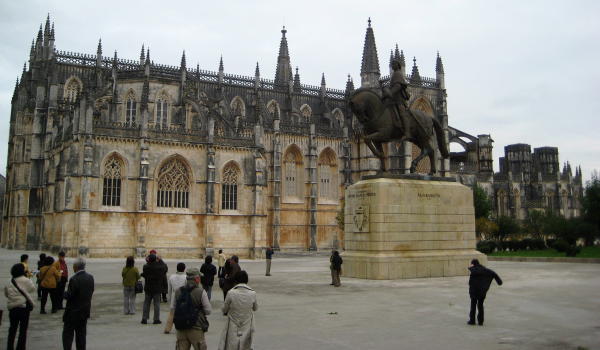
x=173, y=185
x=306, y=112
x=338, y=117
x=111, y=189
x=72, y=89
x=273, y=110
x=161, y=112
x=292, y=165
x=229, y=188
x=131, y=107
x=327, y=172
x=237, y=107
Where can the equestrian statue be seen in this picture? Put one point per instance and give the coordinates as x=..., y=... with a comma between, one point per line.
x=390, y=119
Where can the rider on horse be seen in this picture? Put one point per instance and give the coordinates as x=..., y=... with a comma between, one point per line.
x=397, y=96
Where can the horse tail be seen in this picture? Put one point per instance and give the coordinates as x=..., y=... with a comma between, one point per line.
x=439, y=133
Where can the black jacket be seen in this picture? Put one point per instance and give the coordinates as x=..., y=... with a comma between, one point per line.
x=79, y=297
x=208, y=271
x=480, y=281
x=153, y=274
x=336, y=262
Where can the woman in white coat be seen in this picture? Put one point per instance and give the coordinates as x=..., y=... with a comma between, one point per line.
x=239, y=308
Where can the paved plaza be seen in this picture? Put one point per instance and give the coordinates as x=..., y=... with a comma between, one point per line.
x=540, y=306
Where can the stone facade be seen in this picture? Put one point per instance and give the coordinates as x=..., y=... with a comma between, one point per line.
x=111, y=157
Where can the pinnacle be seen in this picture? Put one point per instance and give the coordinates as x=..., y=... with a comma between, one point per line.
x=183, y=62
x=370, y=61
x=221, y=64
x=257, y=70
x=99, y=51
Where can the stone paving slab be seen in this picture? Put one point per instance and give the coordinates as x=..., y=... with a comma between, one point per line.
x=540, y=306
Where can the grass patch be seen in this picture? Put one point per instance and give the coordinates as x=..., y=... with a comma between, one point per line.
x=586, y=252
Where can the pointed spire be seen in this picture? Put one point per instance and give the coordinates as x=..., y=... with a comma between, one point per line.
x=257, y=70
x=402, y=58
x=391, y=57
x=283, y=72
x=52, y=32
x=99, y=49
x=221, y=68
x=40, y=37
x=415, y=77
x=349, y=85
x=323, y=79
x=47, y=29
x=115, y=60
x=15, y=92
x=183, y=63
x=148, y=56
x=397, y=53
x=142, y=55
x=32, y=50
x=439, y=66
x=369, y=71
x=297, y=84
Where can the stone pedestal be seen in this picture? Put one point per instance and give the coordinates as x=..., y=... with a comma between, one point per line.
x=407, y=227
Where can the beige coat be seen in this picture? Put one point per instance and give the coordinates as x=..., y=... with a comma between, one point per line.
x=14, y=298
x=239, y=307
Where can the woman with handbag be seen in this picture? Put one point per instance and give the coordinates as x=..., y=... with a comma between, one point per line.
x=19, y=303
x=49, y=277
x=130, y=275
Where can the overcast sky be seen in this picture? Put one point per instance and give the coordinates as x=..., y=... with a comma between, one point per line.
x=522, y=71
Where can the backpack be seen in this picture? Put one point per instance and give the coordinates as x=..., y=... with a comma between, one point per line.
x=186, y=314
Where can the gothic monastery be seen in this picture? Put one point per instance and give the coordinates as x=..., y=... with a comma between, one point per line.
x=113, y=157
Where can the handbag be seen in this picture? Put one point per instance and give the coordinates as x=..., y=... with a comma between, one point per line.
x=28, y=303
x=139, y=287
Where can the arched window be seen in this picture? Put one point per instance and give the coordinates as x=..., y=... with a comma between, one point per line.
x=130, y=108
x=306, y=112
x=111, y=189
x=229, y=187
x=338, y=117
x=173, y=185
x=72, y=89
x=292, y=167
x=273, y=109
x=162, y=108
x=237, y=107
x=327, y=171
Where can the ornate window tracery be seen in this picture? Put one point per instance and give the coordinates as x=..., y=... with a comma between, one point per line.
x=292, y=165
x=131, y=108
x=237, y=107
x=72, y=89
x=111, y=189
x=306, y=112
x=338, y=117
x=273, y=109
x=173, y=185
x=162, y=108
x=327, y=171
x=229, y=187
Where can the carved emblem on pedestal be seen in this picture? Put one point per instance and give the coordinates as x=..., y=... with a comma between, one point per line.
x=361, y=219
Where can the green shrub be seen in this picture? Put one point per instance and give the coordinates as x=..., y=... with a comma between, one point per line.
x=486, y=247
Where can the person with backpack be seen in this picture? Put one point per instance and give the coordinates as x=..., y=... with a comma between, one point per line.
x=49, y=277
x=176, y=281
x=191, y=308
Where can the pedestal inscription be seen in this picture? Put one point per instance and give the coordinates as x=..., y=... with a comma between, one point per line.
x=406, y=228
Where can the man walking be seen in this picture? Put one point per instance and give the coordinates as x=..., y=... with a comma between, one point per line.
x=193, y=336
x=79, y=303
x=479, y=283
x=153, y=274
x=268, y=255
x=336, y=268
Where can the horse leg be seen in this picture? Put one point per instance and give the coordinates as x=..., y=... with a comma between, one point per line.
x=369, y=142
x=413, y=164
x=379, y=147
x=432, y=162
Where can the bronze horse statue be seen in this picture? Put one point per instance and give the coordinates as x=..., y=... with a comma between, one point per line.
x=381, y=125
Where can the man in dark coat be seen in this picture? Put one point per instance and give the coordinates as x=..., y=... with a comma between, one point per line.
x=231, y=270
x=479, y=283
x=79, y=303
x=153, y=274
